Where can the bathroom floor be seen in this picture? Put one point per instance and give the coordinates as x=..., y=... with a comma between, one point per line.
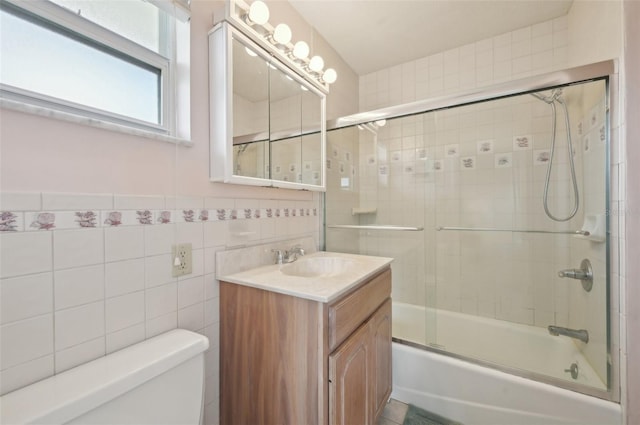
x=393, y=413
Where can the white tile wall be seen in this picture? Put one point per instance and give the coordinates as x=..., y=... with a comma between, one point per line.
x=70, y=295
x=80, y=247
x=78, y=286
x=124, y=311
x=79, y=324
x=79, y=354
x=26, y=373
x=25, y=296
x=25, y=253
x=26, y=340
x=521, y=53
x=123, y=277
x=123, y=243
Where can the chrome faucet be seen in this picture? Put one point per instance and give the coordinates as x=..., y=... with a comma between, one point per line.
x=580, y=334
x=288, y=256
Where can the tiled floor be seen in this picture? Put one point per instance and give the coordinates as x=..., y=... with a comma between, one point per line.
x=393, y=413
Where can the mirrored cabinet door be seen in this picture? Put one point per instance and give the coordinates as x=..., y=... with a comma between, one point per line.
x=285, y=125
x=267, y=122
x=312, y=130
x=250, y=111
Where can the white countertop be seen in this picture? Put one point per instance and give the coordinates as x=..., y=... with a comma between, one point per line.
x=324, y=288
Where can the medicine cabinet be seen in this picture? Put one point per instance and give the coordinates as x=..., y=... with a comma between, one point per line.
x=267, y=122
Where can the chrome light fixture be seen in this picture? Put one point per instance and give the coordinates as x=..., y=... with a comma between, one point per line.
x=254, y=17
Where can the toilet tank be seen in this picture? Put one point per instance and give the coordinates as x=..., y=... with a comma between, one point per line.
x=158, y=381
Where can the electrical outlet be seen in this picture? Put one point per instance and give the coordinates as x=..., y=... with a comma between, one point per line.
x=181, y=259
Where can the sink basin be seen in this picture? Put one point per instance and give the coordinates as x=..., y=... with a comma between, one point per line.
x=318, y=267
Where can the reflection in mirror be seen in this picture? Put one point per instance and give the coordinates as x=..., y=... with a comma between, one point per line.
x=311, y=139
x=250, y=111
x=286, y=160
x=251, y=159
x=311, y=158
x=311, y=112
x=285, y=99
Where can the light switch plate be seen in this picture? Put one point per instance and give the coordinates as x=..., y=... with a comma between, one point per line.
x=181, y=263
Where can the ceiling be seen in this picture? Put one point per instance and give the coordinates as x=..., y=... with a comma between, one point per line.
x=375, y=34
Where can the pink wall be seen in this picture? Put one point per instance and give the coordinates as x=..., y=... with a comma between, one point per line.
x=632, y=233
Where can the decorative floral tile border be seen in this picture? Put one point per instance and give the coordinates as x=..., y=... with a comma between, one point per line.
x=16, y=221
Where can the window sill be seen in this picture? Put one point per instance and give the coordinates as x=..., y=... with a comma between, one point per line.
x=91, y=122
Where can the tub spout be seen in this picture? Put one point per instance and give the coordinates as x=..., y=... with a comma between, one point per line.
x=580, y=334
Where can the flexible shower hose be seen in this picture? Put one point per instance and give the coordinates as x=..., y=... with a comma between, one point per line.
x=545, y=201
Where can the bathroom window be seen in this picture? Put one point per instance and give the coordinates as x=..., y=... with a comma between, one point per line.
x=116, y=61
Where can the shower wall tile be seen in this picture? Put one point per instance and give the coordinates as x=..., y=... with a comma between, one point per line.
x=524, y=52
x=73, y=293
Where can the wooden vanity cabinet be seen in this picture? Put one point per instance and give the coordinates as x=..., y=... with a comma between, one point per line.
x=290, y=360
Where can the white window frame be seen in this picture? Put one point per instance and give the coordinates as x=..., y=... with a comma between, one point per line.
x=173, y=125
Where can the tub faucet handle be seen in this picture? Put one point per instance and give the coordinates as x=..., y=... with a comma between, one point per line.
x=583, y=274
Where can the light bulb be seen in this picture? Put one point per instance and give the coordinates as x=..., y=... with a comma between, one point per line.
x=316, y=64
x=259, y=12
x=330, y=76
x=282, y=34
x=301, y=50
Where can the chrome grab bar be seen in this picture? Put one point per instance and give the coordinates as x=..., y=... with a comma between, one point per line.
x=488, y=229
x=373, y=227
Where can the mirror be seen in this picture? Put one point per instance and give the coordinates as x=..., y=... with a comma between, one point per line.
x=250, y=112
x=267, y=122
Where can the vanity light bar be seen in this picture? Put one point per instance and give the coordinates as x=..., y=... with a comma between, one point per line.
x=254, y=17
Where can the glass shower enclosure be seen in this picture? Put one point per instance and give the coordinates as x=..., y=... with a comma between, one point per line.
x=494, y=208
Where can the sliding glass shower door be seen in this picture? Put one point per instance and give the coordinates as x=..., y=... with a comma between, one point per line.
x=379, y=202
x=495, y=214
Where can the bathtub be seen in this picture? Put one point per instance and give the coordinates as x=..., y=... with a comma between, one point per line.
x=474, y=394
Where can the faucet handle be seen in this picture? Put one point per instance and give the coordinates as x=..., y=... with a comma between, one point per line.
x=293, y=253
x=279, y=255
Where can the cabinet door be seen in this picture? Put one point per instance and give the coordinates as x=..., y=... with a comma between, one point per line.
x=350, y=380
x=381, y=357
